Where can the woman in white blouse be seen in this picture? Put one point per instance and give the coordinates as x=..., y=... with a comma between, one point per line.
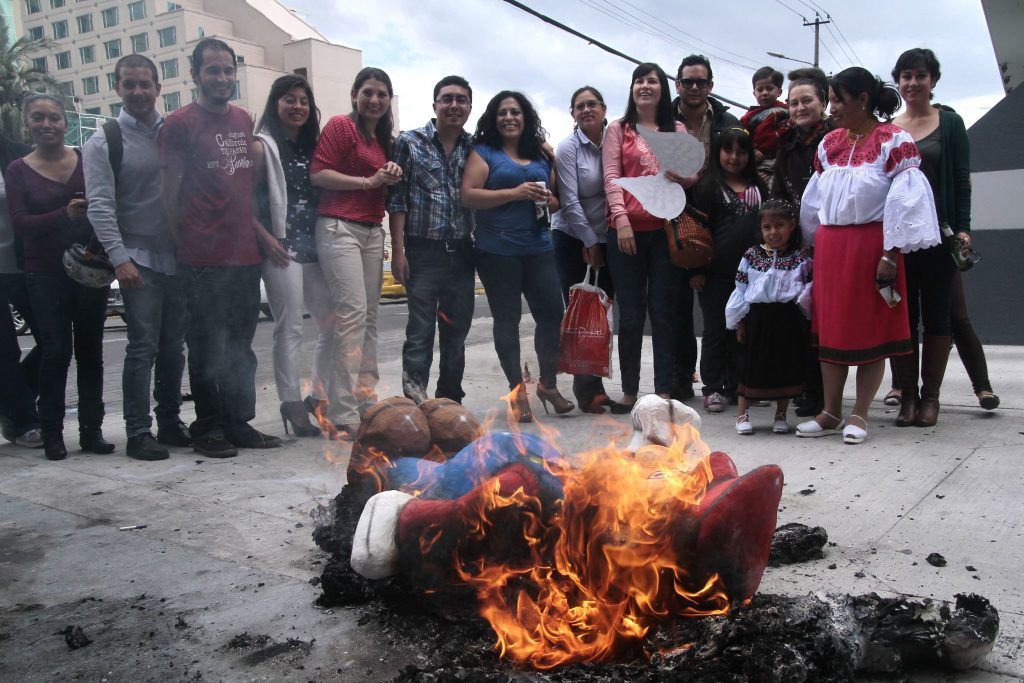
x=580, y=227
x=866, y=205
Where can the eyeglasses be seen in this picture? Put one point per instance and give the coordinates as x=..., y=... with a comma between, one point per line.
x=589, y=104
x=460, y=100
x=688, y=83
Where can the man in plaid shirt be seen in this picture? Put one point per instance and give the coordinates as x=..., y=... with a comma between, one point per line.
x=432, y=243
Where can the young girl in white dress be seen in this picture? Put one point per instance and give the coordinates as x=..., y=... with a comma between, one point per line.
x=772, y=281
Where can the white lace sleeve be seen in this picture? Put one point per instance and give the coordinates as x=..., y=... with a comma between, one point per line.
x=910, y=222
x=736, y=308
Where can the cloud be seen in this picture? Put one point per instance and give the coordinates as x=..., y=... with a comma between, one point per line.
x=497, y=46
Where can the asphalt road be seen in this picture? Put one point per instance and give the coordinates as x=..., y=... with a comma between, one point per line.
x=391, y=321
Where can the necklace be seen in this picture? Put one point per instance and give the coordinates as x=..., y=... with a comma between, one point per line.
x=853, y=136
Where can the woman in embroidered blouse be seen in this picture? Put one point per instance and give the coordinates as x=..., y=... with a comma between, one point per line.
x=352, y=165
x=646, y=282
x=942, y=140
x=580, y=226
x=866, y=206
x=287, y=134
x=507, y=174
x=45, y=191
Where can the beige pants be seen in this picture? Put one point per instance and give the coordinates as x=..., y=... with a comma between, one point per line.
x=352, y=258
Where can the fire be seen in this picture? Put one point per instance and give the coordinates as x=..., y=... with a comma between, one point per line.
x=605, y=566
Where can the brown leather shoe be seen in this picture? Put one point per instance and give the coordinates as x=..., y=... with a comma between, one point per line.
x=908, y=410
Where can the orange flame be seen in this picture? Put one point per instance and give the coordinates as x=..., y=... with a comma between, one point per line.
x=604, y=567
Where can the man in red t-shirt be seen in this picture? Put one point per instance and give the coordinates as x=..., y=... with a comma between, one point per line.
x=206, y=162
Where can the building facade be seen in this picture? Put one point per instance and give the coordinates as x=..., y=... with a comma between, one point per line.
x=89, y=36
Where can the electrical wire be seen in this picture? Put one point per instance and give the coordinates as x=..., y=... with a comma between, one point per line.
x=791, y=9
x=832, y=33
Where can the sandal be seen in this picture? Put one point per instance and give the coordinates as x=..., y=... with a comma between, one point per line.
x=852, y=434
x=812, y=429
x=987, y=400
x=893, y=398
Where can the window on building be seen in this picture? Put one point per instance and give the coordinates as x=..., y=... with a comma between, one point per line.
x=63, y=60
x=110, y=17
x=238, y=92
x=56, y=4
x=113, y=48
x=140, y=43
x=195, y=94
x=84, y=23
x=168, y=36
x=39, y=63
x=169, y=69
x=32, y=7
x=36, y=33
x=115, y=109
x=60, y=29
x=172, y=101
x=112, y=81
x=87, y=54
x=137, y=10
x=95, y=111
x=90, y=85
x=171, y=6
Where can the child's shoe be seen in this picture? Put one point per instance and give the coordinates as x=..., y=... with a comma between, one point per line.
x=743, y=425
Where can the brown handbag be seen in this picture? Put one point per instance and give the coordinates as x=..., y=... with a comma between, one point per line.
x=689, y=239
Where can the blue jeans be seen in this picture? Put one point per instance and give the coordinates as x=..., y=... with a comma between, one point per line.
x=507, y=279
x=19, y=377
x=223, y=308
x=646, y=284
x=70, y=319
x=157, y=319
x=439, y=292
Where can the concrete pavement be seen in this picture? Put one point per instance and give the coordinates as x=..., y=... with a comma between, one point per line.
x=227, y=551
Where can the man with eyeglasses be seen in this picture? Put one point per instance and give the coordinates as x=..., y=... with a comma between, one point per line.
x=431, y=242
x=705, y=119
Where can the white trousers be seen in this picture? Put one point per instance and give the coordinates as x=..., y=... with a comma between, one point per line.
x=289, y=291
x=352, y=259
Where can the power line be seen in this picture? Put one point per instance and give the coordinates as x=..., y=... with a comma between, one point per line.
x=858, y=60
x=791, y=9
x=829, y=16
x=832, y=33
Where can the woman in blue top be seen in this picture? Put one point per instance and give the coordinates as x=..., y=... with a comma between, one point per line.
x=506, y=175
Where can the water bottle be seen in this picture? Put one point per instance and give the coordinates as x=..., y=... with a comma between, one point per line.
x=963, y=256
x=541, y=211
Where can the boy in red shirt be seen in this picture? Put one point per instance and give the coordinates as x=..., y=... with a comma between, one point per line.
x=766, y=120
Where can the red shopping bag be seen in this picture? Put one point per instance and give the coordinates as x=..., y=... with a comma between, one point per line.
x=587, y=331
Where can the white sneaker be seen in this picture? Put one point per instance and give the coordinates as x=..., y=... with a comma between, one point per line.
x=780, y=426
x=743, y=425
x=33, y=438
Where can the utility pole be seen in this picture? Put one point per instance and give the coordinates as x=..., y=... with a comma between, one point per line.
x=817, y=23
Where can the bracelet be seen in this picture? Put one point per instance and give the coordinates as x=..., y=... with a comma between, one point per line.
x=888, y=259
x=364, y=183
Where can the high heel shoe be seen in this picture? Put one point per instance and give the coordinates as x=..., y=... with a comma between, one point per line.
x=519, y=405
x=295, y=412
x=561, y=404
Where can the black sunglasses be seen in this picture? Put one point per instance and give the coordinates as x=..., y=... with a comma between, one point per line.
x=690, y=82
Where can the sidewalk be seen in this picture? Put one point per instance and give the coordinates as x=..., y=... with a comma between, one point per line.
x=227, y=549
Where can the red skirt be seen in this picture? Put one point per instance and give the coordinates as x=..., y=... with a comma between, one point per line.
x=851, y=323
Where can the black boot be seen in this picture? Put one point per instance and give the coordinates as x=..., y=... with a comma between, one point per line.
x=53, y=445
x=91, y=440
x=905, y=370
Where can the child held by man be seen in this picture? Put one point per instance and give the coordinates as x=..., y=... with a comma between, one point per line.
x=766, y=121
x=767, y=311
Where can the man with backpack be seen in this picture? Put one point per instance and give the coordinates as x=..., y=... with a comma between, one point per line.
x=122, y=177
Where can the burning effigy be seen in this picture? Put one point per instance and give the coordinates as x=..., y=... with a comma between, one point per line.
x=582, y=558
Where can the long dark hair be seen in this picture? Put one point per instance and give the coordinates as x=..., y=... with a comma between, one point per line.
x=883, y=99
x=709, y=189
x=597, y=95
x=666, y=122
x=386, y=124
x=533, y=133
x=271, y=123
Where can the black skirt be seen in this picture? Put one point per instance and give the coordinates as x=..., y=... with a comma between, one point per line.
x=775, y=352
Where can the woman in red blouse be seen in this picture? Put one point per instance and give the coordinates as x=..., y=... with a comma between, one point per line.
x=352, y=167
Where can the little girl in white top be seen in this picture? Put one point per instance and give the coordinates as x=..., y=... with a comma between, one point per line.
x=767, y=311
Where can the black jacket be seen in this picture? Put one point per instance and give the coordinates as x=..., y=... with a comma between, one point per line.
x=721, y=119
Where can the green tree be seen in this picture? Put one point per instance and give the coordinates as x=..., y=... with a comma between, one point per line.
x=18, y=77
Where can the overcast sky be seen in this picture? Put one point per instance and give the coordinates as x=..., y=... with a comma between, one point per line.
x=497, y=46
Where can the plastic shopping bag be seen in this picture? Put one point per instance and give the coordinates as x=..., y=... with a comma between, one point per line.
x=587, y=330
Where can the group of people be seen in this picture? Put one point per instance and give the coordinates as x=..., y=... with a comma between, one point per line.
x=192, y=210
